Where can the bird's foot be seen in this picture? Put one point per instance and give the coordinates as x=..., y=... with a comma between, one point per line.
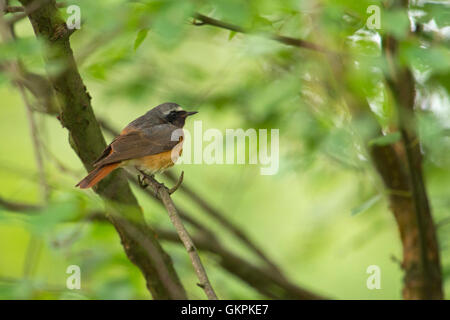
x=141, y=181
x=145, y=180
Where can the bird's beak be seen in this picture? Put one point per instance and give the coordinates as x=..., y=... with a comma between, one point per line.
x=190, y=113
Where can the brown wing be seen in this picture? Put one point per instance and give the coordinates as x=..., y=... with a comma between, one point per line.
x=133, y=144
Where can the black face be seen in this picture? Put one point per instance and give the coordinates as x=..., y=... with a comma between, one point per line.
x=178, y=118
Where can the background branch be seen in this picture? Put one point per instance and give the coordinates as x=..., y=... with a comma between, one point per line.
x=205, y=20
x=421, y=259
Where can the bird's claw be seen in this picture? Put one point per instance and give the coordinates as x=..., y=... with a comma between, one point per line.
x=143, y=178
x=142, y=183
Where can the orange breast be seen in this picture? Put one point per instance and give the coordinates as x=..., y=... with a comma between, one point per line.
x=159, y=162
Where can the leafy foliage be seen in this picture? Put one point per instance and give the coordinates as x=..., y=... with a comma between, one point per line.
x=134, y=55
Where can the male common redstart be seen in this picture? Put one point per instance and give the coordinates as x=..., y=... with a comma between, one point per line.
x=146, y=144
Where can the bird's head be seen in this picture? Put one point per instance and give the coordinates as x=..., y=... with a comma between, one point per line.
x=172, y=113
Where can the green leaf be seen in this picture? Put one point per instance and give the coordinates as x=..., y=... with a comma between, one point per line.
x=366, y=205
x=441, y=78
x=261, y=23
x=395, y=22
x=232, y=34
x=23, y=48
x=169, y=25
x=235, y=11
x=142, y=34
x=385, y=140
x=439, y=12
x=436, y=58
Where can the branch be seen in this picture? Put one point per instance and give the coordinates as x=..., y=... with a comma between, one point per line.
x=87, y=141
x=178, y=184
x=36, y=145
x=15, y=9
x=205, y=20
x=24, y=11
x=163, y=193
x=19, y=207
x=421, y=261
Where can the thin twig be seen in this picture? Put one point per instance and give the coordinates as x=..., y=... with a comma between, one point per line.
x=36, y=145
x=19, y=207
x=178, y=184
x=23, y=12
x=14, y=9
x=32, y=7
x=35, y=243
x=163, y=194
x=300, y=43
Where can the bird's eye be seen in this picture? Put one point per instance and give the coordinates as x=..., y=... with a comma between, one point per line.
x=171, y=116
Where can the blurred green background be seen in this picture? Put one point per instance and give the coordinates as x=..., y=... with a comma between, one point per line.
x=323, y=217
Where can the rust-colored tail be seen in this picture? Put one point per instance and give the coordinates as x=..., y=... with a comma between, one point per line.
x=96, y=175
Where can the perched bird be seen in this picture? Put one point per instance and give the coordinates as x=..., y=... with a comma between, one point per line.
x=147, y=144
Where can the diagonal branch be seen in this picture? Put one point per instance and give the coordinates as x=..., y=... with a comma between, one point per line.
x=163, y=193
x=19, y=207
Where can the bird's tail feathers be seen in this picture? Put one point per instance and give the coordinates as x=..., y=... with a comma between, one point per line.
x=96, y=175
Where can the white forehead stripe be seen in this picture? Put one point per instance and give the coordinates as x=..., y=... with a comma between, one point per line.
x=170, y=110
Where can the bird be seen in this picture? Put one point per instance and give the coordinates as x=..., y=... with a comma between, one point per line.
x=150, y=144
